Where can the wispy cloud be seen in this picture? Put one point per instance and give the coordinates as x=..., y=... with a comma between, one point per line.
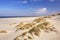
x=51, y=0
x=42, y=10
x=34, y=0
x=25, y=1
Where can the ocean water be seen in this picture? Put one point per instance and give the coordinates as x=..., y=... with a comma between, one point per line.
x=16, y=16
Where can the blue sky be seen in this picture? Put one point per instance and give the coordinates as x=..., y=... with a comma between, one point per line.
x=28, y=7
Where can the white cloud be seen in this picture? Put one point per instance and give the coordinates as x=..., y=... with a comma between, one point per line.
x=42, y=10
x=51, y=0
x=25, y=1
x=35, y=0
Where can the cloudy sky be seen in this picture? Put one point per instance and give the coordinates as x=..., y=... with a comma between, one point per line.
x=28, y=7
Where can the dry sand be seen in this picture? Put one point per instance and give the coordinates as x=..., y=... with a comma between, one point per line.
x=9, y=24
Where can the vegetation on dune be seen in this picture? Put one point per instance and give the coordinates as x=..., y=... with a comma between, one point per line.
x=39, y=20
x=36, y=26
x=3, y=31
x=47, y=17
x=55, y=14
x=50, y=16
x=19, y=26
x=58, y=14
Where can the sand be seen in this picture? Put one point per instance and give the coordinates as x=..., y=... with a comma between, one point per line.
x=9, y=24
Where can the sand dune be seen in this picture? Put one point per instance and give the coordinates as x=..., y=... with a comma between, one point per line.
x=9, y=24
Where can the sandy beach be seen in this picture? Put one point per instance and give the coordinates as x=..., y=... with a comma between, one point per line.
x=9, y=25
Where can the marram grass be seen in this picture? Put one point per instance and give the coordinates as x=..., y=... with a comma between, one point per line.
x=35, y=27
